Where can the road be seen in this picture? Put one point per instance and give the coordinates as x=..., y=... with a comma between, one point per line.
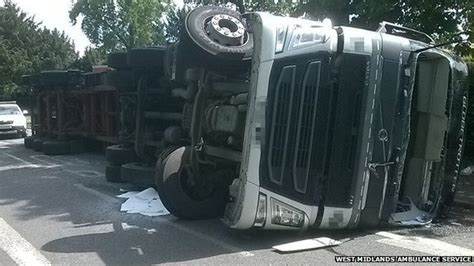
x=60, y=210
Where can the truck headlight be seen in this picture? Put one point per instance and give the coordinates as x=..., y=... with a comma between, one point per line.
x=280, y=38
x=283, y=214
x=261, y=215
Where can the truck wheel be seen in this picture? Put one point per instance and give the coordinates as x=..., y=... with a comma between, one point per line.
x=29, y=142
x=54, y=147
x=113, y=173
x=152, y=57
x=38, y=144
x=77, y=146
x=220, y=31
x=121, y=79
x=61, y=78
x=137, y=173
x=117, y=60
x=120, y=154
x=171, y=179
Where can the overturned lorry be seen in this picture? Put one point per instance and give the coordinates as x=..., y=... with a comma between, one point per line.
x=313, y=126
x=283, y=123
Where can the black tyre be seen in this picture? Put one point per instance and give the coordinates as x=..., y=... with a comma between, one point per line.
x=29, y=142
x=54, y=147
x=117, y=60
x=121, y=79
x=146, y=58
x=38, y=144
x=77, y=146
x=171, y=183
x=220, y=32
x=120, y=154
x=138, y=173
x=61, y=78
x=113, y=173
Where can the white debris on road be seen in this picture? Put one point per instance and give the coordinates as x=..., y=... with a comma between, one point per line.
x=315, y=243
x=146, y=202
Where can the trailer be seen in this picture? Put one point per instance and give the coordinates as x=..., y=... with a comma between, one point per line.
x=71, y=109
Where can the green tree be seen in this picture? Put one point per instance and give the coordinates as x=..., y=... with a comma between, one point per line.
x=92, y=57
x=26, y=48
x=120, y=24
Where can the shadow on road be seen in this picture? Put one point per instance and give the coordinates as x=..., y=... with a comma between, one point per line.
x=52, y=194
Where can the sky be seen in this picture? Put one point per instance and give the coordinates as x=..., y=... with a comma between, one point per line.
x=55, y=14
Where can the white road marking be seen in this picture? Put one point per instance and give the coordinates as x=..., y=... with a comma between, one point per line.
x=20, y=250
x=425, y=245
x=18, y=159
x=38, y=158
x=59, y=159
x=21, y=166
x=24, y=164
x=97, y=193
x=86, y=173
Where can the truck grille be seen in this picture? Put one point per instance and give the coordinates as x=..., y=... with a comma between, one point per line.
x=280, y=121
x=294, y=129
x=312, y=128
x=306, y=127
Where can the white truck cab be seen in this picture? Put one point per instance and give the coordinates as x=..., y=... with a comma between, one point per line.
x=296, y=123
x=344, y=125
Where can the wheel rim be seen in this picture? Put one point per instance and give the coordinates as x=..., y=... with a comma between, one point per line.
x=225, y=30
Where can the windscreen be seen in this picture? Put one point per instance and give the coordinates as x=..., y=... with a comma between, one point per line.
x=9, y=110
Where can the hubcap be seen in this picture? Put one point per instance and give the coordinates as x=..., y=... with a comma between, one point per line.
x=226, y=30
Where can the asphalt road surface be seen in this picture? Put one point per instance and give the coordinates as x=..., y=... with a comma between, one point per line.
x=60, y=210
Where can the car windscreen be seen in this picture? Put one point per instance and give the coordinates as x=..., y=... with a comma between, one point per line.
x=9, y=110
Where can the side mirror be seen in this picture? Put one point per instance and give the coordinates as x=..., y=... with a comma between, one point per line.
x=25, y=112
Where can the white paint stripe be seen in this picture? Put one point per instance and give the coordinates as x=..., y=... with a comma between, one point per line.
x=425, y=245
x=46, y=159
x=20, y=250
x=35, y=157
x=88, y=173
x=200, y=235
x=21, y=166
x=25, y=164
x=97, y=193
x=58, y=158
x=18, y=159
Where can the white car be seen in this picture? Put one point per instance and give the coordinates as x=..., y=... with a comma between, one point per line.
x=12, y=119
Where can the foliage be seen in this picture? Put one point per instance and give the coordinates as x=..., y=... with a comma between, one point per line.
x=27, y=48
x=92, y=57
x=283, y=8
x=119, y=24
x=174, y=20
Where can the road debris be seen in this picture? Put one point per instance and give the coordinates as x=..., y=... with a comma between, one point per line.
x=308, y=244
x=146, y=202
